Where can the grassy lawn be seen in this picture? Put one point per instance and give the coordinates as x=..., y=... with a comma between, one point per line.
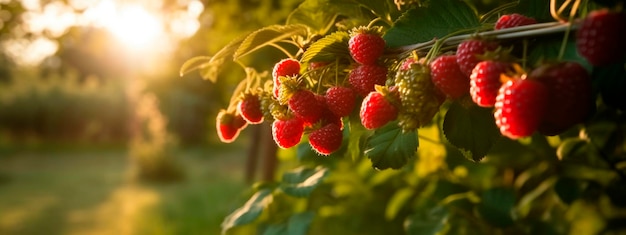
x=89, y=192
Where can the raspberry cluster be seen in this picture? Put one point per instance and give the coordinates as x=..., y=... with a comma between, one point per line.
x=293, y=110
x=549, y=98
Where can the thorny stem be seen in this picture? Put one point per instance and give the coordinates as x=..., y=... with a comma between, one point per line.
x=516, y=32
x=439, y=43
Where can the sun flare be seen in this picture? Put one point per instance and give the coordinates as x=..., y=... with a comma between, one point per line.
x=135, y=27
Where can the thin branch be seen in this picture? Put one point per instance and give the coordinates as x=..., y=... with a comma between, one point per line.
x=282, y=49
x=516, y=32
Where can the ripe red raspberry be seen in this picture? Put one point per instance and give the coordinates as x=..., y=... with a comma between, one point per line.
x=513, y=20
x=340, y=100
x=378, y=109
x=485, y=81
x=448, y=78
x=520, y=107
x=366, y=45
x=600, y=37
x=364, y=77
x=306, y=106
x=327, y=139
x=250, y=108
x=228, y=125
x=287, y=133
x=570, y=95
x=328, y=116
x=285, y=67
x=467, y=51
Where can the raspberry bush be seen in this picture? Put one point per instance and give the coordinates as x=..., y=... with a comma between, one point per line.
x=403, y=117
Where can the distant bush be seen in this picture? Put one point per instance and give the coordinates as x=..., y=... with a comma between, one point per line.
x=63, y=109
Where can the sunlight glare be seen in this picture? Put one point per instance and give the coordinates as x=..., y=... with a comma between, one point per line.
x=135, y=27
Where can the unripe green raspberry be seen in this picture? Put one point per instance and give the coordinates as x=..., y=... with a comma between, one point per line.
x=418, y=95
x=271, y=108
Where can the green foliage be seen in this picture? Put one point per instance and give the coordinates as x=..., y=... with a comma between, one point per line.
x=437, y=20
x=472, y=130
x=321, y=15
x=249, y=211
x=63, y=109
x=266, y=37
x=430, y=220
x=457, y=174
x=301, y=182
x=209, y=67
x=390, y=147
x=497, y=205
x=329, y=48
x=297, y=224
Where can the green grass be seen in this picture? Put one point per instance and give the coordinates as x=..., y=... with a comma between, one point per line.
x=85, y=192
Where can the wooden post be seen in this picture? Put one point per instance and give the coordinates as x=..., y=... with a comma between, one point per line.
x=253, y=152
x=271, y=160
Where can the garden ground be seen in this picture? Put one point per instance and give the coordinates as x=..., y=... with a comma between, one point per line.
x=90, y=192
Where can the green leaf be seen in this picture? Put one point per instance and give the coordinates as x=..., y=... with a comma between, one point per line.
x=194, y=63
x=249, y=211
x=304, y=153
x=298, y=224
x=389, y=147
x=382, y=9
x=583, y=171
x=267, y=36
x=568, y=189
x=302, y=181
x=276, y=229
x=572, y=148
x=427, y=221
x=357, y=131
x=328, y=48
x=315, y=14
x=437, y=20
x=398, y=202
x=209, y=66
x=320, y=15
x=497, y=206
x=543, y=228
x=472, y=130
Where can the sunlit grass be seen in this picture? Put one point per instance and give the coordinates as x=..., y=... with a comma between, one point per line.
x=82, y=192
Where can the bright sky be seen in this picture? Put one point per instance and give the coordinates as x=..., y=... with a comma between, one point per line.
x=139, y=25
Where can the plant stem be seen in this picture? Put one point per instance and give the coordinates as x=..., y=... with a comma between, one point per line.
x=516, y=32
x=568, y=29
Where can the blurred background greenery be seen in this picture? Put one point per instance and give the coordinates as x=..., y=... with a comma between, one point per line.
x=98, y=132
